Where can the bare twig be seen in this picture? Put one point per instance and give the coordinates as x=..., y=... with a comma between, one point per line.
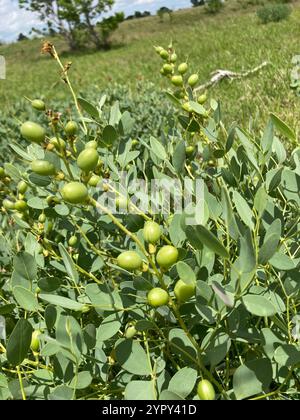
x=218, y=75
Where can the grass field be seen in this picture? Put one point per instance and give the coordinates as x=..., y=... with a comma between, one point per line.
x=233, y=39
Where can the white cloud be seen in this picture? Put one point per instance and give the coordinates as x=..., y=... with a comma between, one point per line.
x=14, y=20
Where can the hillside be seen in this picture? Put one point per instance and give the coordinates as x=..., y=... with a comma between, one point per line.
x=233, y=40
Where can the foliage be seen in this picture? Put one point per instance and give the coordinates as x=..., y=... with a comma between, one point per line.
x=214, y=6
x=31, y=72
x=273, y=12
x=234, y=335
x=71, y=19
x=165, y=11
x=197, y=3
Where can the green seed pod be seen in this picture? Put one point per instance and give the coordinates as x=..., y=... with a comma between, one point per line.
x=21, y=206
x=43, y=168
x=193, y=80
x=189, y=150
x=58, y=143
x=177, y=80
x=164, y=54
x=167, y=256
x=73, y=241
x=130, y=331
x=206, y=391
x=88, y=160
x=152, y=232
x=71, y=128
x=94, y=180
x=74, y=193
x=187, y=107
x=173, y=58
x=33, y=132
x=158, y=297
x=168, y=69
x=2, y=172
x=22, y=187
x=38, y=105
x=183, y=68
x=35, y=342
x=158, y=49
x=183, y=291
x=91, y=145
x=8, y=205
x=121, y=203
x=42, y=218
x=202, y=99
x=129, y=260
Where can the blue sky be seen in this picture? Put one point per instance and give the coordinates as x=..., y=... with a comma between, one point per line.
x=13, y=20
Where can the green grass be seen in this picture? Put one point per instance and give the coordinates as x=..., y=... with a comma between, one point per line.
x=233, y=39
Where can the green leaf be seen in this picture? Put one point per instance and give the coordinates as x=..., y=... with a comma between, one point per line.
x=252, y=378
x=158, y=149
x=19, y=342
x=109, y=327
x=115, y=114
x=283, y=262
x=197, y=108
x=126, y=124
x=186, y=273
x=81, y=381
x=132, y=357
x=268, y=137
x=109, y=135
x=19, y=151
x=229, y=215
x=26, y=299
x=259, y=305
x=37, y=203
x=271, y=242
x=226, y=297
x=88, y=108
x=287, y=355
x=183, y=382
x=103, y=299
x=25, y=265
x=61, y=301
x=248, y=257
x=139, y=390
x=69, y=264
x=283, y=128
x=204, y=236
x=167, y=395
x=261, y=201
x=61, y=392
x=173, y=99
x=243, y=210
x=178, y=158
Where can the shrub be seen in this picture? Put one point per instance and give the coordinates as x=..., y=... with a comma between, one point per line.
x=273, y=13
x=98, y=301
x=214, y=6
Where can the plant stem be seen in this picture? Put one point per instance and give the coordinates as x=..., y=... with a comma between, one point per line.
x=21, y=383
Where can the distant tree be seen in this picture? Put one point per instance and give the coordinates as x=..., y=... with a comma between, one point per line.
x=21, y=37
x=68, y=17
x=197, y=3
x=138, y=15
x=146, y=14
x=163, y=11
x=107, y=26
